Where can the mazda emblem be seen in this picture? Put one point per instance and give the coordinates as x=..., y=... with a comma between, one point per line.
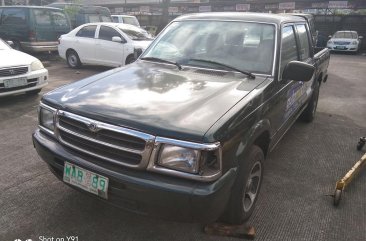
x=93, y=127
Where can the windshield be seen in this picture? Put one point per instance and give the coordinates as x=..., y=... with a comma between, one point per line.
x=351, y=35
x=131, y=20
x=94, y=18
x=244, y=46
x=135, y=33
x=3, y=45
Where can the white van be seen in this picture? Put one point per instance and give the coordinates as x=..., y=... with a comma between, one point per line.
x=126, y=19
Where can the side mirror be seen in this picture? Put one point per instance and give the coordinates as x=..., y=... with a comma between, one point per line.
x=330, y=36
x=360, y=37
x=298, y=71
x=117, y=39
x=11, y=43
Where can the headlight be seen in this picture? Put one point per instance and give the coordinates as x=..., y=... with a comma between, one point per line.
x=36, y=65
x=179, y=158
x=354, y=43
x=46, y=118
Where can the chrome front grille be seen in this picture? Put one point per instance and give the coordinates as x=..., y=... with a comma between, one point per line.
x=110, y=143
x=13, y=71
x=341, y=43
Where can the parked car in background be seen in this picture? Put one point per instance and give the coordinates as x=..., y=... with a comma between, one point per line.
x=348, y=41
x=109, y=44
x=81, y=14
x=20, y=72
x=33, y=29
x=126, y=19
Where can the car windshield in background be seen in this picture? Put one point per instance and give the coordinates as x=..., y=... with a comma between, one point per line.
x=94, y=18
x=241, y=45
x=130, y=20
x=345, y=35
x=135, y=33
x=3, y=45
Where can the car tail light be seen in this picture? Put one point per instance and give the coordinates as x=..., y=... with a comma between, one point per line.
x=32, y=36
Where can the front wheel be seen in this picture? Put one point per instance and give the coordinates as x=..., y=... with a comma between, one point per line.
x=246, y=188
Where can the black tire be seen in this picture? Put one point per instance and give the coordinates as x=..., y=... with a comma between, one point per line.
x=33, y=92
x=246, y=188
x=130, y=59
x=72, y=59
x=309, y=113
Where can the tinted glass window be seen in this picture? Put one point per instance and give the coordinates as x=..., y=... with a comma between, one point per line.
x=87, y=31
x=288, y=49
x=105, y=18
x=130, y=20
x=115, y=19
x=345, y=35
x=214, y=44
x=93, y=18
x=14, y=16
x=304, y=42
x=59, y=19
x=42, y=16
x=106, y=33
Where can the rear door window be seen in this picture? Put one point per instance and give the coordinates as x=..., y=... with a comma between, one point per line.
x=87, y=31
x=59, y=19
x=288, y=48
x=42, y=16
x=15, y=16
x=304, y=47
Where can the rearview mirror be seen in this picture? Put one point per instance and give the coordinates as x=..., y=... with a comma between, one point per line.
x=116, y=39
x=298, y=71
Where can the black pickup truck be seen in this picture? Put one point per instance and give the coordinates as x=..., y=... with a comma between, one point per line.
x=183, y=132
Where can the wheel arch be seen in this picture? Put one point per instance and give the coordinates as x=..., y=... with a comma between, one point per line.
x=260, y=135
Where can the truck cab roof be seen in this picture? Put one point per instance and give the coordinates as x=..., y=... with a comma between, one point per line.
x=234, y=16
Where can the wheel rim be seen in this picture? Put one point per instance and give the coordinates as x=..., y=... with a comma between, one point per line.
x=73, y=60
x=252, y=186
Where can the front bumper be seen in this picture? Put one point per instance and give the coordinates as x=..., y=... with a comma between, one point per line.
x=36, y=80
x=39, y=46
x=343, y=48
x=144, y=192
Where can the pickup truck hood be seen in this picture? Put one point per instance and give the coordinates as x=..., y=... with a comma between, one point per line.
x=156, y=98
x=11, y=57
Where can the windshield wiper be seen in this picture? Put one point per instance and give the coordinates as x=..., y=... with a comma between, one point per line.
x=163, y=61
x=252, y=76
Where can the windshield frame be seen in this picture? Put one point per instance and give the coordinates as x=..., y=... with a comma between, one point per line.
x=274, y=62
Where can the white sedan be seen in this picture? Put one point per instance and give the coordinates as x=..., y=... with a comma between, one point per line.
x=108, y=44
x=345, y=41
x=20, y=72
